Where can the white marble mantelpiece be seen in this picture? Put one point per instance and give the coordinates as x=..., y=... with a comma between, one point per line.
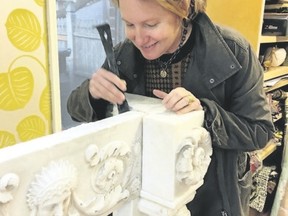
x=147, y=161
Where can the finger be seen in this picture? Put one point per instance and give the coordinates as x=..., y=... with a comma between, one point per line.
x=174, y=97
x=111, y=94
x=113, y=78
x=160, y=94
x=102, y=86
x=194, y=106
x=190, y=99
x=183, y=103
x=173, y=103
x=185, y=109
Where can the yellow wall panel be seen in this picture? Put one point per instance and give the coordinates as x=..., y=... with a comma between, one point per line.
x=25, y=100
x=244, y=15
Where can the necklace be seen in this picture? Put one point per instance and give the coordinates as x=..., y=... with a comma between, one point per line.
x=164, y=65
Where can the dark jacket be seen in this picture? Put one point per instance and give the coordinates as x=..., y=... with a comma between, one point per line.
x=227, y=77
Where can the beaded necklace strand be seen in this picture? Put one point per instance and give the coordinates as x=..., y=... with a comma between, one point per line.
x=164, y=65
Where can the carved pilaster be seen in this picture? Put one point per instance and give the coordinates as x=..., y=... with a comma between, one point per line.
x=176, y=155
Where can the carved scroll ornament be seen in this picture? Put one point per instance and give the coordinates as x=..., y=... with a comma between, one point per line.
x=112, y=166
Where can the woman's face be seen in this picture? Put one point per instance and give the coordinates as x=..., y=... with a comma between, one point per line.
x=153, y=29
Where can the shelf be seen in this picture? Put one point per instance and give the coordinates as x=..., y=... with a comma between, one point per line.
x=275, y=6
x=273, y=39
x=275, y=84
x=267, y=150
x=275, y=72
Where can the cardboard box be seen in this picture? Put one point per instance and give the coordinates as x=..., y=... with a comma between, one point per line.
x=275, y=24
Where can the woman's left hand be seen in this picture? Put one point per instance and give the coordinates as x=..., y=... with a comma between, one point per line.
x=179, y=100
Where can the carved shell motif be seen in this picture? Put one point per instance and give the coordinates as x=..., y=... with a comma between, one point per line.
x=194, y=157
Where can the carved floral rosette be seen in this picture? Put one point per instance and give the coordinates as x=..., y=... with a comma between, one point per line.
x=194, y=157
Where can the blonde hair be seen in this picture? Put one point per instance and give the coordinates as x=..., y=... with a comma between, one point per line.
x=182, y=8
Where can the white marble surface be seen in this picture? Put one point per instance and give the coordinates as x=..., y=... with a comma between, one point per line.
x=94, y=163
x=95, y=168
x=171, y=173
x=144, y=104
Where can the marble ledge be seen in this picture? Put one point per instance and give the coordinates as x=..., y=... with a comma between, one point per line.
x=153, y=108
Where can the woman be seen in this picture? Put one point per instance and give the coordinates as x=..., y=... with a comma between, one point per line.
x=174, y=52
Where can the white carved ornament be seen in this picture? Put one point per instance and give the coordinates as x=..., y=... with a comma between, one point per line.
x=52, y=192
x=109, y=167
x=194, y=157
x=8, y=183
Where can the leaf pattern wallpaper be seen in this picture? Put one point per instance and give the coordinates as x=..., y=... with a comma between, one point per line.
x=25, y=100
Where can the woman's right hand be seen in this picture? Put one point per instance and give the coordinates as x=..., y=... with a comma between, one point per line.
x=108, y=86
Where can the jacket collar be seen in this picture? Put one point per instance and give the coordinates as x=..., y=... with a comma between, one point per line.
x=218, y=61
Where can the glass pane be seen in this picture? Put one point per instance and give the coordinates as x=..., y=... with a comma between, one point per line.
x=79, y=45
